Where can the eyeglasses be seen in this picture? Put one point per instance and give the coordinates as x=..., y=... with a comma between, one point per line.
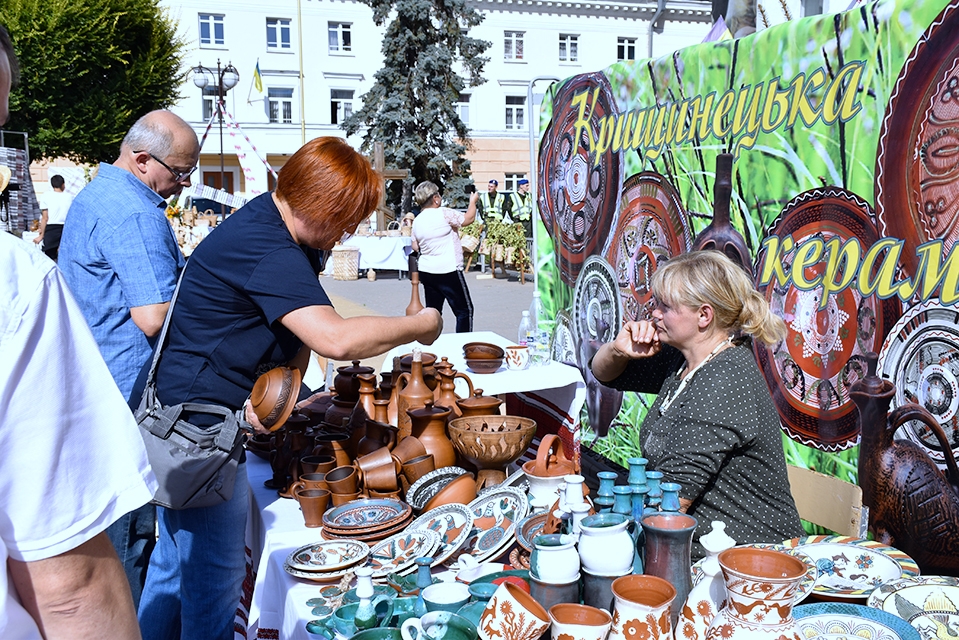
x=178, y=176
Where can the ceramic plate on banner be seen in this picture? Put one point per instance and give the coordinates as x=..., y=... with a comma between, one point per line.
x=328, y=555
x=844, y=621
x=452, y=522
x=928, y=603
x=365, y=514
x=850, y=567
x=398, y=552
x=808, y=581
x=495, y=516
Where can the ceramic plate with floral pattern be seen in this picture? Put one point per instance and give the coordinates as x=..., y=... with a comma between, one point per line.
x=928, y=603
x=452, y=522
x=400, y=551
x=805, y=587
x=328, y=555
x=851, y=567
x=318, y=576
x=495, y=515
x=843, y=621
x=366, y=514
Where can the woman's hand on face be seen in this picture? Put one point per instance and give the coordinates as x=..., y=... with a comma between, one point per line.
x=434, y=327
x=637, y=339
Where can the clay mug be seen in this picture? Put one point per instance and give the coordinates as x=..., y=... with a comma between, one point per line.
x=389, y=495
x=578, y=621
x=310, y=481
x=418, y=467
x=642, y=604
x=439, y=625
x=517, y=357
x=343, y=480
x=339, y=499
x=379, y=458
x=446, y=596
x=408, y=448
x=333, y=444
x=381, y=478
x=313, y=504
x=317, y=464
x=508, y=606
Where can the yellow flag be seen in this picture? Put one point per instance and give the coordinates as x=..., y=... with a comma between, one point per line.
x=257, y=78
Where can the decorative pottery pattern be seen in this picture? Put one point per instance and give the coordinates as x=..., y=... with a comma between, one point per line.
x=850, y=567
x=506, y=618
x=921, y=358
x=928, y=603
x=842, y=621
x=495, y=515
x=363, y=514
x=452, y=523
x=421, y=491
x=398, y=552
x=328, y=555
x=562, y=345
x=810, y=372
x=318, y=576
x=529, y=528
x=649, y=627
x=366, y=536
x=805, y=587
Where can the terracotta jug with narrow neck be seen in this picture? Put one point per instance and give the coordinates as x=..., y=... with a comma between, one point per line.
x=367, y=393
x=428, y=425
x=412, y=393
x=445, y=394
x=415, y=305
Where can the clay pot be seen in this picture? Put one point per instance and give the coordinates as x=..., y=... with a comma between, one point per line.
x=479, y=405
x=483, y=351
x=412, y=393
x=274, y=396
x=310, y=481
x=642, y=598
x=445, y=393
x=429, y=427
x=346, y=385
x=551, y=460
x=339, y=410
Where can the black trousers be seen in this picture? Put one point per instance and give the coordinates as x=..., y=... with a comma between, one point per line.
x=51, y=240
x=452, y=288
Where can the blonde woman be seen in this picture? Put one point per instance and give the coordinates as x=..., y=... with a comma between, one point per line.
x=713, y=428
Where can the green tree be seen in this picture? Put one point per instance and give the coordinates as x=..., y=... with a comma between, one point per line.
x=88, y=70
x=411, y=106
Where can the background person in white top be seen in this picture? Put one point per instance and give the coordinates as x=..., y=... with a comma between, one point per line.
x=71, y=459
x=436, y=237
x=55, y=206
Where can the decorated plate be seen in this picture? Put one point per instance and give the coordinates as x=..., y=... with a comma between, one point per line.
x=365, y=514
x=528, y=528
x=318, y=576
x=562, y=346
x=495, y=516
x=850, y=567
x=921, y=358
x=399, y=551
x=328, y=555
x=805, y=587
x=842, y=621
x=823, y=354
x=421, y=491
x=928, y=603
x=367, y=536
x=452, y=523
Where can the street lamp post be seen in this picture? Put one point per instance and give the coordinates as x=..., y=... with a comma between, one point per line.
x=225, y=79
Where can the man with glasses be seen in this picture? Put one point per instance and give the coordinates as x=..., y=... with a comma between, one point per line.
x=119, y=255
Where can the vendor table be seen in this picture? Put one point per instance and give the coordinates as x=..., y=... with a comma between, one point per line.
x=382, y=252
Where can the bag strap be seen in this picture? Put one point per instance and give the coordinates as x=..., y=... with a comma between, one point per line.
x=161, y=339
x=166, y=418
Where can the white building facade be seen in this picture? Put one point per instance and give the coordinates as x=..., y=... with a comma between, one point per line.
x=336, y=46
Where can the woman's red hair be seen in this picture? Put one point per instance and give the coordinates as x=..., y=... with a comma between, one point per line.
x=331, y=186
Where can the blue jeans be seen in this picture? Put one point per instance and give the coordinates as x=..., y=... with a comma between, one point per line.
x=134, y=536
x=197, y=570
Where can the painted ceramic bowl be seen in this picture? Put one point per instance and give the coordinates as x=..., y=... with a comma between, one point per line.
x=484, y=365
x=482, y=351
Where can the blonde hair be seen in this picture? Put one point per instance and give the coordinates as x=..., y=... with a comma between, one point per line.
x=424, y=191
x=709, y=277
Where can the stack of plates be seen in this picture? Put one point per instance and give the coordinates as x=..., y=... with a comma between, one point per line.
x=327, y=560
x=366, y=520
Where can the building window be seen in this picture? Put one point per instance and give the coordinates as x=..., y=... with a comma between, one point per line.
x=211, y=30
x=278, y=33
x=513, y=45
x=279, y=105
x=626, y=48
x=511, y=180
x=341, y=105
x=340, y=37
x=209, y=102
x=515, y=112
x=462, y=107
x=568, y=47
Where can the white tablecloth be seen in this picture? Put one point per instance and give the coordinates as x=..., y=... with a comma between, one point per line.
x=382, y=252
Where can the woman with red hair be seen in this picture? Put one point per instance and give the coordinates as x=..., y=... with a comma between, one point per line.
x=250, y=300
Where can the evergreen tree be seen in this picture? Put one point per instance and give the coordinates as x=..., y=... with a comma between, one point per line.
x=411, y=106
x=88, y=70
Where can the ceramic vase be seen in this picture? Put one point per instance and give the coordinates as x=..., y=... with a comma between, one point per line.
x=412, y=393
x=642, y=608
x=428, y=425
x=367, y=393
x=554, y=559
x=669, y=542
x=670, y=497
x=761, y=585
x=708, y=596
x=637, y=472
x=655, y=496
x=605, y=546
x=623, y=500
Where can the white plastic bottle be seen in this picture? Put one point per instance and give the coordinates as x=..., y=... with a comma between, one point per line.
x=523, y=337
x=539, y=337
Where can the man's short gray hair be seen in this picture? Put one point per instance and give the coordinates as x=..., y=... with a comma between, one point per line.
x=149, y=134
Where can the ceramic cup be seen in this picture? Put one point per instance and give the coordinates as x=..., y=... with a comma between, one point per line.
x=310, y=481
x=641, y=597
x=381, y=457
x=343, y=480
x=517, y=357
x=317, y=464
x=313, y=504
x=389, y=495
x=408, y=448
x=439, y=625
x=512, y=614
x=578, y=621
x=446, y=596
x=381, y=477
x=339, y=499
x=418, y=467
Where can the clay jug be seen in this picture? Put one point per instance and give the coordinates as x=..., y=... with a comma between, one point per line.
x=429, y=427
x=412, y=393
x=479, y=405
x=339, y=409
x=429, y=368
x=394, y=391
x=333, y=444
x=415, y=306
x=385, y=390
x=367, y=394
x=720, y=234
x=761, y=585
x=912, y=505
x=346, y=385
x=381, y=411
x=641, y=608
x=445, y=394
x=377, y=436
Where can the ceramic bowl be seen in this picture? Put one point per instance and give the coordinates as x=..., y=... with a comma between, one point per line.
x=492, y=442
x=484, y=365
x=483, y=351
x=274, y=396
x=461, y=490
x=421, y=491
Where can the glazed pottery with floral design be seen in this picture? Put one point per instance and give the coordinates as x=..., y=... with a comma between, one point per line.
x=761, y=585
x=512, y=614
x=641, y=609
x=708, y=596
x=578, y=622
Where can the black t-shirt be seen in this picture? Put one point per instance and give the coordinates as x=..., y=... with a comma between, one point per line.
x=224, y=331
